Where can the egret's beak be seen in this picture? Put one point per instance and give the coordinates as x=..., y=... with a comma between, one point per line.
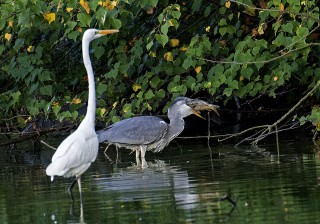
x=200, y=105
x=104, y=32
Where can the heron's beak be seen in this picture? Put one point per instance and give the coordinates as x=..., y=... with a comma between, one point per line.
x=197, y=114
x=104, y=32
x=200, y=105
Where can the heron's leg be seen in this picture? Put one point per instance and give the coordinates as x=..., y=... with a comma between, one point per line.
x=143, y=163
x=70, y=189
x=137, y=153
x=143, y=150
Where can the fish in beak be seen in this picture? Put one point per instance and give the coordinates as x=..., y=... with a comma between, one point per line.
x=200, y=105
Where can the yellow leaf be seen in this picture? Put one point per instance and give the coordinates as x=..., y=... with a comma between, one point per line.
x=76, y=101
x=152, y=54
x=136, y=87
x=184, y=48
x=174, y=42
x=50, y=17
x=149, y=107
x=102, y=111
x=171, y=23
x=208, y=29
x=198, y=69
x=29, y=48
x=114, y=105
x=85, y=5
x=260, y=29
x=281, y=7
x=7, y=36
x=79, y=29
x=228, y=3
x=69, y=9
x=10, y=23
x=168, y=56
x=59, y=6
x=241, y=78
x=55, y=104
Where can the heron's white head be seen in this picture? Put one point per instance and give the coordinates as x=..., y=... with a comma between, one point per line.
x=91, y=34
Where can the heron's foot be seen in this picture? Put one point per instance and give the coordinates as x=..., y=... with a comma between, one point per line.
x=143, y=163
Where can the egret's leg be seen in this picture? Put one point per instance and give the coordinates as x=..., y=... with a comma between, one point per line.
x=70, y=189
x=80, y=190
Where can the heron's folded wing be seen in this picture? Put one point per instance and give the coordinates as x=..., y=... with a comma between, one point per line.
x=135, y=131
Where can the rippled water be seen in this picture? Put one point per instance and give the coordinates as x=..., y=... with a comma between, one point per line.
x=186, y=183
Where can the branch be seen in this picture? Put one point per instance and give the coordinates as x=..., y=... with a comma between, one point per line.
x=270, y=127
x=262, y=62
x=32, y=135
x=273, y=10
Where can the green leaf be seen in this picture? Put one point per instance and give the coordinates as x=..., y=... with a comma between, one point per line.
x=56, y=109
x=84, y=19
x=101, y=88
x=155, y=81
x=246, y=73
x=287, y=27
x=2, y=23
x=149, y=95
x=222, y=22
x=44, y=76
x=99, y=51
x=46, y=90
x=223, y=30
x=187, y=63
x=207, y=11
x=149, y=45
x=165, y=27
x=162, y=39
x=302, y=31
x=18, y=44
x=196, y=5
x=160, y=94
x=116, y=23
x=228, y=91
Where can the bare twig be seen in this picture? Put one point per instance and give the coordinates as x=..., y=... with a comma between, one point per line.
x=49, y=146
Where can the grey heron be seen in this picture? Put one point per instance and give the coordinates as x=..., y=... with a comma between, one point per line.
x=144, y=133
x=76, y=153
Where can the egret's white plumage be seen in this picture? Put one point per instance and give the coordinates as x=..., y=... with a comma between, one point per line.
x=76, y=153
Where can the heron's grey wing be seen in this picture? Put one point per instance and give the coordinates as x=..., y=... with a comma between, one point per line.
x=135, y=131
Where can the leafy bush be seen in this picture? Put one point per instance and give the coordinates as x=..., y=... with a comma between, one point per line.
x=164, y=49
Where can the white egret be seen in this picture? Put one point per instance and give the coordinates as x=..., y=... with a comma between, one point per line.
x=76, y=153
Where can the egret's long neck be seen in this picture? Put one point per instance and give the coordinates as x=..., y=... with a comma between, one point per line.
x=91, y=109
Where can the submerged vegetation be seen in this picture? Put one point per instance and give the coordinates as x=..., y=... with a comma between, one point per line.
x=257, y=55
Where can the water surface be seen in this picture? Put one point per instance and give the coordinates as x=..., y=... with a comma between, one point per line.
x=186, y=183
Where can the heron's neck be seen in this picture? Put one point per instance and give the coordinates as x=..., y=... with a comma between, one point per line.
x=91, y=109
x=176, y=126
